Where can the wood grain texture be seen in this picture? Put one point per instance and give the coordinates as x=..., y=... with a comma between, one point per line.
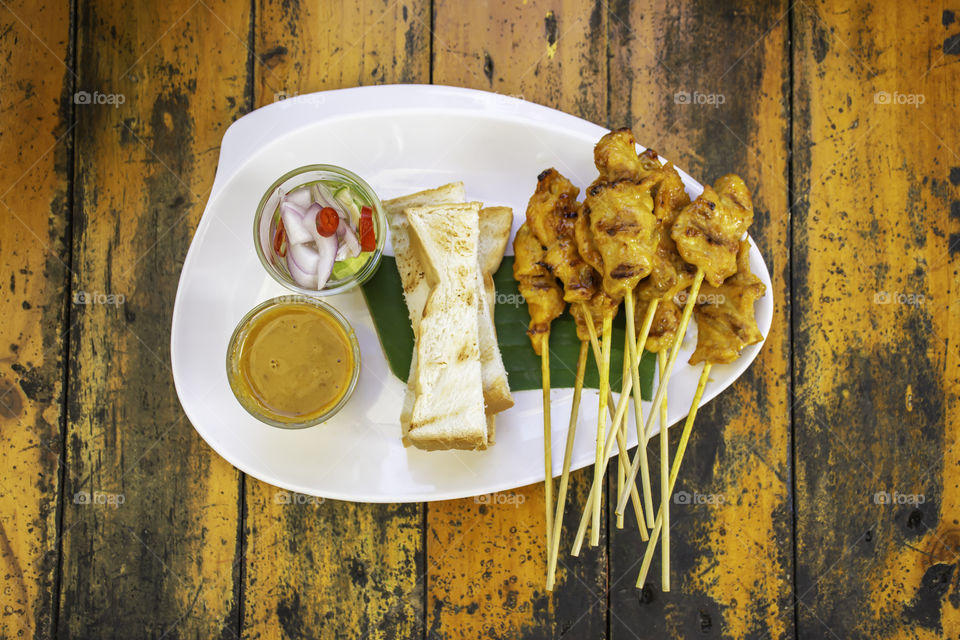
x=150, y=542
x=313, y=568
x=876, y=240
x=486, y=557
x=708, y=87
x=35, y=143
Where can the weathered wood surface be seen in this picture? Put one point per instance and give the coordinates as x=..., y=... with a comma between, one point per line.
x=712, y=110
x=333, y=569
x=153, y=550
x=876, y=173
x=35, y=144
x=819, y=114
x=486, y=556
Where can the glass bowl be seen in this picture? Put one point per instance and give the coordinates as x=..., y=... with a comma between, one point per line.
x=241, y=386
x=332, y=176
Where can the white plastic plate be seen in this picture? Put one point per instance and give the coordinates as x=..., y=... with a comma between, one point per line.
x=400, y=138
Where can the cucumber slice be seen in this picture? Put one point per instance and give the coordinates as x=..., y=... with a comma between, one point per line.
x=345, y=197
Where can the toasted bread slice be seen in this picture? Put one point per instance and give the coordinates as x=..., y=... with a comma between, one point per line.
x=448, y=408
x=495, y=225
x=415, y=287
x=408, y=264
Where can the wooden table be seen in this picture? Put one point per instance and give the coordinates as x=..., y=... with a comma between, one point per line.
x=832, y=463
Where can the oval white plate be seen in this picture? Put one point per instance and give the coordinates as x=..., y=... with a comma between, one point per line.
x=401, y=138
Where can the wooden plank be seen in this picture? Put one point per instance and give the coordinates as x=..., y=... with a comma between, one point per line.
x=35, y=142
x=486, y=556
x=150, y=542
x=334, y=569
x=877, y=234
x=706, y=87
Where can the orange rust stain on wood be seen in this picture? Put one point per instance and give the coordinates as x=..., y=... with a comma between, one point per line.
x=154, y=545
x=35, y=146
x=334, y=567
x=877, y=107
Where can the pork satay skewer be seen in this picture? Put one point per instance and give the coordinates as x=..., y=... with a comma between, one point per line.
x=707, y=233
x=545, y=303
x=550, y=217
x=726, y=324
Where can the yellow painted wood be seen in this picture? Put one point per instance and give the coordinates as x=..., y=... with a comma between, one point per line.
x=151, y=550
x=318, y=568
x=705, y=88
x=877, y=371
x=34, y=143
x=486, y=556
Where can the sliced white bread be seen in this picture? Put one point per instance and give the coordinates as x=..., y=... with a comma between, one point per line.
x=448, y=408
x=494, y=224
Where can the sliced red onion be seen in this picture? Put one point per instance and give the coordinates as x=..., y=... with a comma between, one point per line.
x=295, y=226
x=305, y=256
x=303, y=278
x=286, y=205
x=348, y=240
x=327, y=250
x=323, y=197
x=300, y=196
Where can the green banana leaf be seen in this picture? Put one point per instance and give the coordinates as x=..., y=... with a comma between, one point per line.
x=384, y=296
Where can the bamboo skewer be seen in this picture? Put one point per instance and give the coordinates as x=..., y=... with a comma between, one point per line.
x=601, y=427
x=662, y=387
x=674, y=471
x=611, y=436
x=554, y=540
x=623, y=459
x=621, y=434
x=664, y=484
x=547, y=438
x=642, y=433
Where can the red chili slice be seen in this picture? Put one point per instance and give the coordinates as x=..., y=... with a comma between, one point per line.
x=327, y=221
x=368, y=241
x=279, y=246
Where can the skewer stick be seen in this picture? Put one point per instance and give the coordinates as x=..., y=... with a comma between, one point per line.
x=623, y=459
x=642, y=436
x=674, y=470
x=664, y=484
x=554, y=548
x=665, y=379
x=547, y=436
x=601, y=428
x=611, y=436
x=621, y=434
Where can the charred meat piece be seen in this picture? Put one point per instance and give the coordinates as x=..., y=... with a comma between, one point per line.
x=537, y=286
x=726, y=321
x=709, y=230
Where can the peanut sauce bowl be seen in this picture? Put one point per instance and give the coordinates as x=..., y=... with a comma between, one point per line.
x=400, y=139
